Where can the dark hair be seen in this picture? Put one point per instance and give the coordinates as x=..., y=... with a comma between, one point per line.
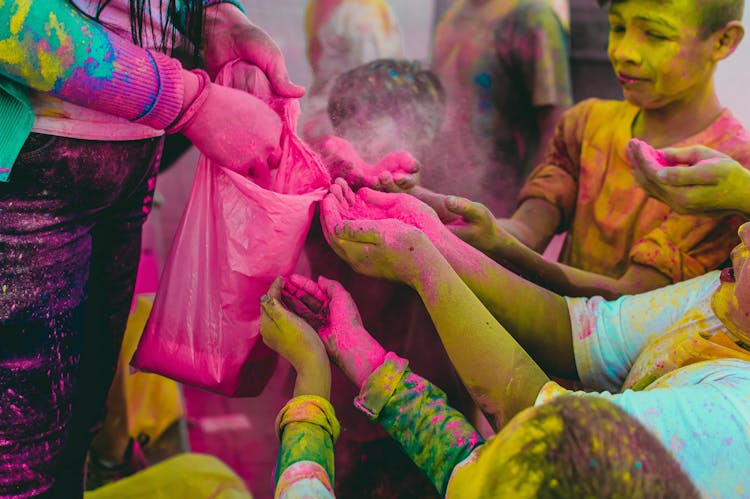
x=189, y=19
x=599, y=451
x=714, y=14
x=388, y=88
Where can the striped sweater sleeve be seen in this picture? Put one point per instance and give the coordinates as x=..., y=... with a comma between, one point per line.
x=50, y=46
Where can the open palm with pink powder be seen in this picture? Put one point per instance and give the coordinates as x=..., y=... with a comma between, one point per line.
x=329, y=308
x=343, y=161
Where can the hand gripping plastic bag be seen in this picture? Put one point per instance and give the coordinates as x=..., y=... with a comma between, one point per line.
x=234, y=238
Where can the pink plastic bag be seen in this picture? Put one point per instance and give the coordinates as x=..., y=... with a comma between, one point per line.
x=234, y=238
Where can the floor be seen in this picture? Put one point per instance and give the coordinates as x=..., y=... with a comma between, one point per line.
x=240, y=431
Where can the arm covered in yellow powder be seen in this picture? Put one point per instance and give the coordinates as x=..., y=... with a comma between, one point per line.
x=501, y=376
x=513, y=254
x=537, y=318
x=306, y=426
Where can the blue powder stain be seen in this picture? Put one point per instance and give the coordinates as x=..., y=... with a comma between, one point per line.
x=592, y=463
x=483, y=80
x=392, y=73
x=637, y=465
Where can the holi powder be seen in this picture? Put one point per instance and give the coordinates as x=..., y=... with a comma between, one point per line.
x=656, y=157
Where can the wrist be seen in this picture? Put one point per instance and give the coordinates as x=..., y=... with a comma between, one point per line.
x=370, y=359
x=313, y=377
x=197, y=85
x=191, y=84
x=430, y=267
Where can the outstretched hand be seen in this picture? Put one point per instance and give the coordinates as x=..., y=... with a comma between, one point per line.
x=330, y=309
x=294, y=339
x=477, y=225
x=692, y=180
x=368, y=231
x=397, y=171
x=230, y=35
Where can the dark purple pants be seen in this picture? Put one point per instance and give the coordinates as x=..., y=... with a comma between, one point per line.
x=70, y=237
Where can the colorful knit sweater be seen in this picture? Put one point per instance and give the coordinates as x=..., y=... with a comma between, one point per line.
x=51, y=46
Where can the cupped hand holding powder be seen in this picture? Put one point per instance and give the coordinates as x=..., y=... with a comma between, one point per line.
x=294, y=339
x=336, y=318
x=398, y=168
x=699, y=180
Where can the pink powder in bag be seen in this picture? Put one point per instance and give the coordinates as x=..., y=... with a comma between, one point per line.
x=234, y=238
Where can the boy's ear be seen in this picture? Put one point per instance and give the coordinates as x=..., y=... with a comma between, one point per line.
x=728, y=39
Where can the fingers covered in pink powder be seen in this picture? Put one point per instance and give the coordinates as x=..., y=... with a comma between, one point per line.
x=338, y=323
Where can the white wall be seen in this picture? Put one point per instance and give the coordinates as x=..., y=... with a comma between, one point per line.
x=733, y=77
x=284, y=21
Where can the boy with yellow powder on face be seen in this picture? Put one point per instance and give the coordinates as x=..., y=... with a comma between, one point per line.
x=619, y=240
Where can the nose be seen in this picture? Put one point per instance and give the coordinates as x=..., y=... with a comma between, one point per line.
x=625, y=49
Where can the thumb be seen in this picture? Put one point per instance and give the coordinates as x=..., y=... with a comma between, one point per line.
x=472, y=212
x=271, y=308
x=330, y=287
x=358, y=231
x=282, y=85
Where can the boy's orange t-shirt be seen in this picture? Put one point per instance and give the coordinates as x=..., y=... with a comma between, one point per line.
x=611, y=221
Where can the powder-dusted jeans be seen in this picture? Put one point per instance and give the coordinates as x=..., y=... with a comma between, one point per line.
x=70, y=236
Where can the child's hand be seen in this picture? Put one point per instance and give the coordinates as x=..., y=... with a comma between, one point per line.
x=386, y=249
x=294, y=339
x=374, y=205
x=372, y=243
x=711, y=183
x=477, y=226
x=397, y=170
x=328, y=306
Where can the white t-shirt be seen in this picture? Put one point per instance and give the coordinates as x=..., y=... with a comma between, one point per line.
x=700, y=412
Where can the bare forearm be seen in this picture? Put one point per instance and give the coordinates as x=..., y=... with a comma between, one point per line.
x=314, y=377
x=570, y=281
x=533, y=224
x=537, y=318
x=485, y=355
